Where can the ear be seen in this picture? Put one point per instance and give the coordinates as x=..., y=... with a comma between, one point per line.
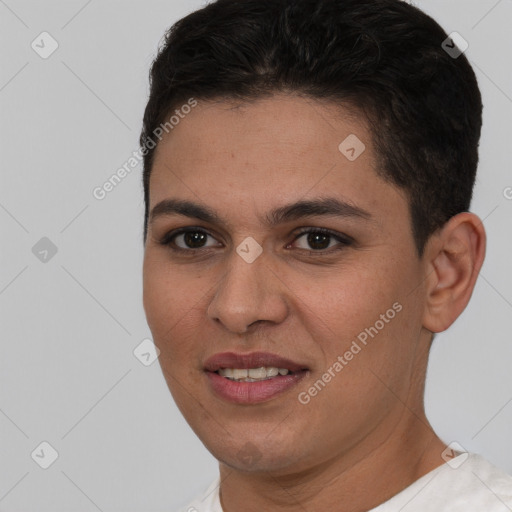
x=454, y=257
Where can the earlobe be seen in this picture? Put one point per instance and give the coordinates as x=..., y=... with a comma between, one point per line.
x=455, y=257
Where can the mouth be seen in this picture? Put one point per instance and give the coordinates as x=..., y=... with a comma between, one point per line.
x=252, y=374
x=252, y=378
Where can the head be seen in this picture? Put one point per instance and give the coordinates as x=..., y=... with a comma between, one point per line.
x=262, y=104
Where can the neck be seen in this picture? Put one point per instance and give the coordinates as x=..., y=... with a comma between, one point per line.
x=356, y=480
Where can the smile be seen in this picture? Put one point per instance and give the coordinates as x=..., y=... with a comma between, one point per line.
x=251, y=378
x=252, y=374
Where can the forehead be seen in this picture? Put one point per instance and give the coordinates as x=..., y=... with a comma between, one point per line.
x=283, y=121
x=270, y=151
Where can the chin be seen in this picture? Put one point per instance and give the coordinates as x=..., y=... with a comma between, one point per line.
x=261, y=463
x=253, y=456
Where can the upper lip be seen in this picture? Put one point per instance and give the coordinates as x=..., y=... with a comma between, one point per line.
x=250, y=360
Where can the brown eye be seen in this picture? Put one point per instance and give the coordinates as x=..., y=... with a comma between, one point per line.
x=193, y=239
x=319, y=239
x=186, y=239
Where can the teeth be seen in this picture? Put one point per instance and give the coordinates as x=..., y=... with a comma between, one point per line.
x=272, y=372
x=258, y=373
x=240, y=374
x=228, y=372
x=252, y=374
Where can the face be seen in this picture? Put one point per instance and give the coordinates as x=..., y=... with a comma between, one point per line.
x=306, y=263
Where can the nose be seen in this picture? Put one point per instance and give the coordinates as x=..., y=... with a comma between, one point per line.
x=247, y=294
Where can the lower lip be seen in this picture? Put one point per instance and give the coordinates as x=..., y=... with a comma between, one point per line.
x=253, y=392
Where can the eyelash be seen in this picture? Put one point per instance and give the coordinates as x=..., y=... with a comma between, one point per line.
x=345, y=241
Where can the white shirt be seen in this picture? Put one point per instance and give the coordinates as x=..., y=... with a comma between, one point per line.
x=467, y=483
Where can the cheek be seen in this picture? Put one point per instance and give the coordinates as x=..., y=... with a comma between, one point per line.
x=170, y=303
x=352, y=299
x=368, y=310
x=172, y=306
x=369, y=325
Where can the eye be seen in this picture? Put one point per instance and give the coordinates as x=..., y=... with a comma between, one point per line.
x=190, y=239
x=320, y=239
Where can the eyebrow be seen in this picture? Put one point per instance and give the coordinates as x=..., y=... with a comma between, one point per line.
x=324, y=206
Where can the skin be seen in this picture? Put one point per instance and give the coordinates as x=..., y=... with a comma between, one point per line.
x=364, y=437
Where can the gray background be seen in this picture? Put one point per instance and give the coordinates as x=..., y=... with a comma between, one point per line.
x=70, y=324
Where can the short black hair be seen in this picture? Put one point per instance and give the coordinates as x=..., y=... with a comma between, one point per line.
x=384, y=57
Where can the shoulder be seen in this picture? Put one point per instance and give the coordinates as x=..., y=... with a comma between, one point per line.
x=483, y=481
x=208, y=501
x=467, y=483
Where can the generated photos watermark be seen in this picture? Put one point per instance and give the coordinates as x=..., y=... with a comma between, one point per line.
x=356, y=347
x=100, y=192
